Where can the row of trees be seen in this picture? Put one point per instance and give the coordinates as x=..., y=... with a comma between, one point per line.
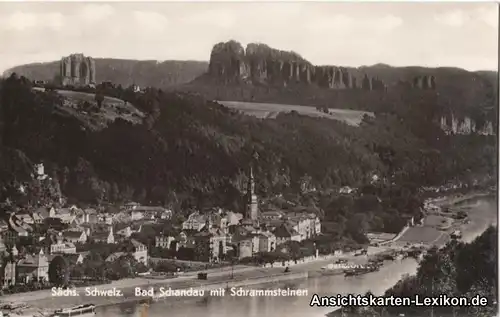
x=93, y=269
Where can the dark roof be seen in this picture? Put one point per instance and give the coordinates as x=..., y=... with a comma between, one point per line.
x=284, y=231
x=72, y=234
x=120, y=226
x=43, y=212
x=71, y=258
x=238, y=237
x=100, y=235
x=30, y=261
x=149, y=208
x=190, y=232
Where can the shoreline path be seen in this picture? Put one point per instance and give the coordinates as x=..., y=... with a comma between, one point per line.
x=43, y=299
x=186, y=280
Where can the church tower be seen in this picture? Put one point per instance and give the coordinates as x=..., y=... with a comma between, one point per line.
x=252, y=203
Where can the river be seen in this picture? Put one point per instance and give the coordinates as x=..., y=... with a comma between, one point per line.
x=483, y=212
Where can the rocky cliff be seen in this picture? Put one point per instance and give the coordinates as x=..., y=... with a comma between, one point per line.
x=453, y=124
x=260, y=64
x=424, y=82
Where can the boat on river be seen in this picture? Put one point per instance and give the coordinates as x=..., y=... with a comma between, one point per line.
x=330, y=270
x=80, y=311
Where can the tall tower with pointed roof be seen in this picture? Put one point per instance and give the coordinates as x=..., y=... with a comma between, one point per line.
x=252, y=202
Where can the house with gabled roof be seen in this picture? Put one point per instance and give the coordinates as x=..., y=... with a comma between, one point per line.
x=33, y=268
x=213, y=239
x=26, y=218
x=106, y=236
x=267, y=241
x=195, y=221
x=285, y=233
x=245, y=245
x=43, y=213
x=140, y=251
x=74, y=236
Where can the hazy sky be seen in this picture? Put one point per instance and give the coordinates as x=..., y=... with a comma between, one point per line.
x=346, y=34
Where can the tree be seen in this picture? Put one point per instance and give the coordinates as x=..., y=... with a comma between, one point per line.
x=58, y=271
x=93, y=265
x=99, y=98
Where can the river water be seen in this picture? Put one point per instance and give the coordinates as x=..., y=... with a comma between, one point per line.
x=483, y=212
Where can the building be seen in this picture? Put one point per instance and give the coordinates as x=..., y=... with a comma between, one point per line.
x=346, y=190
x=115, y=256
x=126, y=230
x=43, y=213
x=74, y=236
x=267, y=242
x=105, y=218
x=245, y=245
x=9, y=274
x=61, y=246
x=285, y=233
x=39, y=172
x=26, y=218
x=252, y=202
x=77, y=70
x=210, y=243
x=17, y=229
x=140, y=252
x=165, y=241
x=67, y=215
x=33, y=268
x=307, y=225
x=233, y=218
x=88, y=215
x=104, y=236
x=272, y=215
x=135, y=88
x=130, y=206
x=195, y=221
x=74, y=259
x=150, y=213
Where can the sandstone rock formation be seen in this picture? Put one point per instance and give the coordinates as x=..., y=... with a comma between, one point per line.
x=372, y=83
x=77, y=70
x=261, y=64
x=453, y=125
x=424, y=82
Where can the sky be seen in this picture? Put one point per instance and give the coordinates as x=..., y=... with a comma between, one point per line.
x=436, y=34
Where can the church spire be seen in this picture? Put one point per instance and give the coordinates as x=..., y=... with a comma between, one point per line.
x=251, y=198
x=251, y=184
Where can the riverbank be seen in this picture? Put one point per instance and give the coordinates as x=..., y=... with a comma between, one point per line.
x=455, y=199
x=43, y=301
x=482, y=214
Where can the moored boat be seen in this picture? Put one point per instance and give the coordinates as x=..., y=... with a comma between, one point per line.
x=81, y=311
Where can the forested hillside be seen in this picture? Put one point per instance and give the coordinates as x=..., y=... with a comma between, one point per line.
x=190, y=152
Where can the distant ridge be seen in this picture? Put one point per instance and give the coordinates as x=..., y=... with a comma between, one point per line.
x=125, y=72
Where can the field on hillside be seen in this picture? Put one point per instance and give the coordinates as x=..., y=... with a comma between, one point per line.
x=112, y=108
x=270, y=111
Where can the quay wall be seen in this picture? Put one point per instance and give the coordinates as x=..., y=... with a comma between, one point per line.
x=48, y=305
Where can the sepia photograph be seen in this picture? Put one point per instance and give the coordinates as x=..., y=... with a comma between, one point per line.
x=249, y=159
